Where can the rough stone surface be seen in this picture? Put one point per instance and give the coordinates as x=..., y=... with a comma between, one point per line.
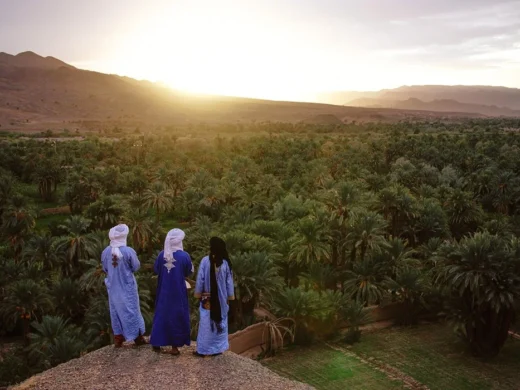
x=131, y=368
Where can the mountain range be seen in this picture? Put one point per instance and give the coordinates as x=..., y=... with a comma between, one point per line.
x=39, y=93
x=485, y=100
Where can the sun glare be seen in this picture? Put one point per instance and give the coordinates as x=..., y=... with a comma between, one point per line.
x=198, y=53
x=204, y=49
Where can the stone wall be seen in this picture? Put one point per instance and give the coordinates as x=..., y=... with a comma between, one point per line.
x=383, y=313
x=249, y=341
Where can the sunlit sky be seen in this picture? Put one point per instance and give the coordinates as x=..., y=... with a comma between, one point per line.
x=278, y=49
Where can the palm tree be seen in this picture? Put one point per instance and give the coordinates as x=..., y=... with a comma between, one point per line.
x=321, y=277
x=106, y=211
x=364, y=282
x=47, y=175
x=79, y=192
x=397, y=205
x=505, y=191
x=46, y=332
x=430, y=221
x=355, y=316
x=54, y=341
x=304, y=307
x=280, y=234
x=41, y=249
x=464, y=213
x=177, y=180
x=158, y=198
x=499, y=225
x=483, y=274
x=256, y=278
x=409, y=285
x=395, y=254
x=18, y=221
x=309, y=245
x=346, y=195
x=68, y=298
x=77, y=244
x=366, y=232
x=97, y=325
x=7, y=182
x=25, y=300
x=141, y=227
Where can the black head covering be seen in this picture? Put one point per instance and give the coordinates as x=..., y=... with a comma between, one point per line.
x=217, y=255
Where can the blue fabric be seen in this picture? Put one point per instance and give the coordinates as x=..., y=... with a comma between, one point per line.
x=171, y=321
x=209, y=342
x=125, y=312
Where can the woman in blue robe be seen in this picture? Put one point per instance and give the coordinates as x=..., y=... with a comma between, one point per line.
x=214, y=288
x=119, y=263
x=171, y=322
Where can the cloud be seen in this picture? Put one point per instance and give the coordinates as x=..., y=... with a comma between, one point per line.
x=482, y=36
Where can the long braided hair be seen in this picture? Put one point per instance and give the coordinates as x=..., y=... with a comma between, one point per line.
x=217, y=254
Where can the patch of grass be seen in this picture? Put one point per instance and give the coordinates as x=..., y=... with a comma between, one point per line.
x=434, y=356
x=326, y=368
x=43, y=222
x=169, y=223
x=30, y=191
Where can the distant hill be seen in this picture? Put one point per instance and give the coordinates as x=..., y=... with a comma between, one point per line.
x=39, y=93
x=441, y=105
x=28, y=59
x=486, y=100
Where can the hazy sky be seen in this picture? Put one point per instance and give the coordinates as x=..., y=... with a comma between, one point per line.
x=281, y=49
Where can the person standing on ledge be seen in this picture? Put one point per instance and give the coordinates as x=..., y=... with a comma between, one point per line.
x=214, y=288
x=119, y=263
x=171, y=322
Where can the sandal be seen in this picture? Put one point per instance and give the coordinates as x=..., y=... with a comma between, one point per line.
x=140, y=341
x=118, y=341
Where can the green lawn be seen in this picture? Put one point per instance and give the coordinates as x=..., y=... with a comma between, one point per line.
x=328, y=369
x=42, y=222
x=434, y=356
x=429, y=354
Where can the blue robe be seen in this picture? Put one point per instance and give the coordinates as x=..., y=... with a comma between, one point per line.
x=209, y=342
x=171, y=321
x=125, y=312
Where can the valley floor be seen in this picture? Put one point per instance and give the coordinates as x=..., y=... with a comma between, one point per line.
x=425, y=357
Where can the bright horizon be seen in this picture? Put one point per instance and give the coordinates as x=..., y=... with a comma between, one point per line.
x=276, y=49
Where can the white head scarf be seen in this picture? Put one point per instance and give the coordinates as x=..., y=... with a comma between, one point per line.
x=173, y=243
x=117, y=237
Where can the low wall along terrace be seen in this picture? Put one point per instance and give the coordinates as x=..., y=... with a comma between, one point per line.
x=249, y=341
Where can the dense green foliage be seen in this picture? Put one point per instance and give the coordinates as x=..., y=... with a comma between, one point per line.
x=319, y=220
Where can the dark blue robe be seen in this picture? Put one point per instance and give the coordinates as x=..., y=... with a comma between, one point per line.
x=171, y=321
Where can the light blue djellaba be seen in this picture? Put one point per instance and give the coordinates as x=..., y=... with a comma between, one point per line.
x=123, y=296
x=209, y=342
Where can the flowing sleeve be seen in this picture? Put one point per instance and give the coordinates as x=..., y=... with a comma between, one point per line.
x=230, y=287
x=157, y=264
x=199, y=285
x=188, y=266
x=135, y=264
